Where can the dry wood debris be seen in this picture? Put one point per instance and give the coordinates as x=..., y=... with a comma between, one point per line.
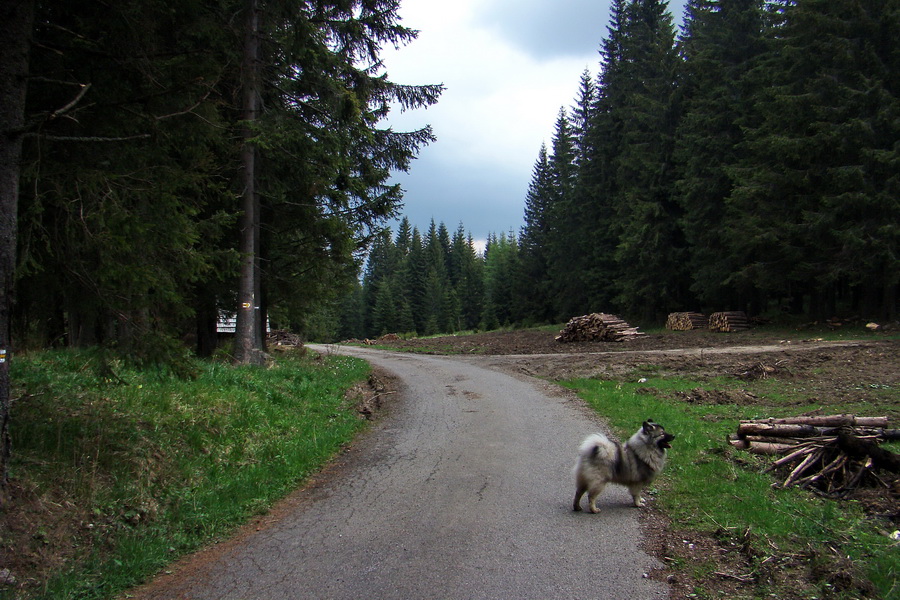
x=278, y=337
x=832, y=455
x=760, y=370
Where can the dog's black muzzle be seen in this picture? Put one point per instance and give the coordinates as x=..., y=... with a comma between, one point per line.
x=663, y=443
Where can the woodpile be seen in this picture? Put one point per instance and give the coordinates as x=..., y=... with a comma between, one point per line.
x=718, y=321
x=365, y=342
x=729, y=321
x=388, y=337
x=277, y=337
x=685, y=321
x=832, y=455
x=597, y=327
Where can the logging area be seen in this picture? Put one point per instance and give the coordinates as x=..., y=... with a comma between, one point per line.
x=826, y=411
x=849, y=388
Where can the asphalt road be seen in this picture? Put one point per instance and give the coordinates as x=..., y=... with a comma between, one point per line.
x=462, y=491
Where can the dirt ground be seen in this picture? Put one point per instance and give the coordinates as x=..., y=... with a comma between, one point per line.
x=833, y=372
x=860, y=376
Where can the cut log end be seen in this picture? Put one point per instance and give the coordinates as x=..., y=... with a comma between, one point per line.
x=686, y=321
x=729, y=321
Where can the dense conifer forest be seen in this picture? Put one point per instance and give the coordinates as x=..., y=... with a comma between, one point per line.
x=746, y=161
x=181, y=159
x=749, y=162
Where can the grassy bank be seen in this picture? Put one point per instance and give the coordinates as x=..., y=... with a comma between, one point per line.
x=762, y=542
x=118, y=471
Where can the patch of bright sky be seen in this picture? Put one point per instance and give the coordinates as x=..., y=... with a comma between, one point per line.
x=508, y=66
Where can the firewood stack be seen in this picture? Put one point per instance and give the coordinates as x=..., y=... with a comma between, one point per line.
x=597, y=327
x=832, y=455
x=685, y=321
x=729, y=321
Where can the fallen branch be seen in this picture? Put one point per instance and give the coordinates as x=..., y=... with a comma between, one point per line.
x=812, y=457
x=833, y=454
x=749, y=578
x=826, y=421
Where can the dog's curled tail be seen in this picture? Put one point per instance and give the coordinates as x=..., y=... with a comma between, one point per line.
x=597, y=445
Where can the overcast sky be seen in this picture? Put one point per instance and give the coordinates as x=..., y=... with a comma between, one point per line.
x=508, y=66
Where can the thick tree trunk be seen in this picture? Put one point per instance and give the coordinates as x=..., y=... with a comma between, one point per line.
x=206, y=319
x=16, y=18
x=246, y=336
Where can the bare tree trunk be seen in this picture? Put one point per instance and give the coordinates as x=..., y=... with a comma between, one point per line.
x=16, y=18
x=246, y=335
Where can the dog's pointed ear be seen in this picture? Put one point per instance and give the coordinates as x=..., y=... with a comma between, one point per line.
x=648, y=424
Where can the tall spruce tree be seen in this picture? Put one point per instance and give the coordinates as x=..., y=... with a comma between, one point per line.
x=351, y=315
x=500, y=271
x=470, y=285
x=328, y=96
x=650, y=245
x=581, y=115
x=565, y=242
x=380, y=268
x=535, y=239
x=721, y=45
x=435, y=282
x=597, y=184
x=404, y=237
x=403, y=277
x=416, y=280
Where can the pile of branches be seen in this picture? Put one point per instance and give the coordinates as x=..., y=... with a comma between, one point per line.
x=760, y=370
x=279, y=337
x=597, y=327
x=832, y=455
x=686, y=321
x=388, y=337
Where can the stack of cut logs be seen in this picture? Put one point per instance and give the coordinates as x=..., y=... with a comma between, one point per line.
x=685, y=321
x=597, y=327
x=729, y=321
x=832, y=455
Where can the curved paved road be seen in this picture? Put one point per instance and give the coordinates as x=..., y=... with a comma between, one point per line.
x=462, y=491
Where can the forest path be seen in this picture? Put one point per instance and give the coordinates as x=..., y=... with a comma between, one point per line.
x=462, y=489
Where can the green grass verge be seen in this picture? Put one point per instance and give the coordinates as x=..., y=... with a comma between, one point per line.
x=149, y=467
x=712, y=488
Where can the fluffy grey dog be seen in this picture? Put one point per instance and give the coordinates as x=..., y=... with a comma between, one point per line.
x=634, y=464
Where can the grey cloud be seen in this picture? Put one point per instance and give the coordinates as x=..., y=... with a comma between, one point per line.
x=484, y=199
x=547, y=29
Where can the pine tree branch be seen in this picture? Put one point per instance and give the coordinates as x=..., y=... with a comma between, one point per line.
x=68, y=138
x=61, y=111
